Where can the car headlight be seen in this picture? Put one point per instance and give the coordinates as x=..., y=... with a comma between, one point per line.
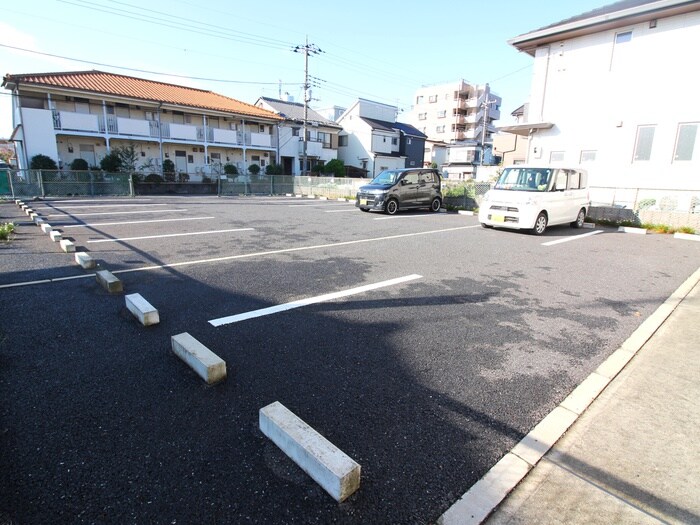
x=487, y=196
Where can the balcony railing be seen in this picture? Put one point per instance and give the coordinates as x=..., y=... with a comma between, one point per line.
x=152, y=129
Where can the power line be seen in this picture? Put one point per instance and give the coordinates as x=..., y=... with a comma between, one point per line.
x=148, y=71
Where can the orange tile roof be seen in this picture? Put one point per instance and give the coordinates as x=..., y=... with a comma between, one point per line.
x=139, y=88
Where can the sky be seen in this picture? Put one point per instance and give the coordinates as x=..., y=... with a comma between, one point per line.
x=381, y=50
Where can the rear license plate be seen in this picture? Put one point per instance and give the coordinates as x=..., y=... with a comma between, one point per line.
x=498, y=218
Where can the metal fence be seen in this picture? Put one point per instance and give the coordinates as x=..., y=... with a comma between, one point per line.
x=329, y=187
x=60, y=183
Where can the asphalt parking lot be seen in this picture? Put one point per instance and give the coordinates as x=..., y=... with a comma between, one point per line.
x=469, y=337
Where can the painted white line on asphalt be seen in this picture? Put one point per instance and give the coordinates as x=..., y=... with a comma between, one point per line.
x=574, y=238
x=168, y=235
x=407, y=216
x=249, y=255
x=104, y=206
x=311, y=300
x=110, y=213
x=132, y=222
x=102, y=200
x=339, y=211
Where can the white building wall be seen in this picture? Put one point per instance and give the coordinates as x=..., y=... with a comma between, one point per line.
x=598, y=92
x=39, y=133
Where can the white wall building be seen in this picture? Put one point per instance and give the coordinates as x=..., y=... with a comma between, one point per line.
x=322, y=135
x=615, y=90
x=456, y=112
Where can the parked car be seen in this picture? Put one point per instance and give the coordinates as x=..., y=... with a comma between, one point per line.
x=533, y=198
x=394, y=190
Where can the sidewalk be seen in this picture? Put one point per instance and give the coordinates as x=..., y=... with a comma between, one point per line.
x=631, y=457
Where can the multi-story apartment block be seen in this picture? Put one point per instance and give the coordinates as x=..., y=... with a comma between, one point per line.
x=613, y=91
x=456, y=112
x=512, y=148
x=373, y=141
x=85, y=114
x=321, y=135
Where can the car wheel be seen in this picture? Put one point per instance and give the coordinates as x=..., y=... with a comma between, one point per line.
x=435, y=205
x=392, y=207
x=540, y=224
x=578, y=223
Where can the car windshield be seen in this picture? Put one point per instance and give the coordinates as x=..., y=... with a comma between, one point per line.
x=386, y=177
x=524, y=179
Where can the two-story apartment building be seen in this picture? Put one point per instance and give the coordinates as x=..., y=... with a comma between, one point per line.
x=615, y=91
x=321, y=135
x=87, y=113
x=372, y=140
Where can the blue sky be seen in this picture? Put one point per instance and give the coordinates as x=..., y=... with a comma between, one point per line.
x=381, y=50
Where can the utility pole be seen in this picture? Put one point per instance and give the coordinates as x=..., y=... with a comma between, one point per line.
x=485, y=105
x=307, y=49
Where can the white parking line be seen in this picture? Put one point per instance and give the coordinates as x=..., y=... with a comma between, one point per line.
x=339, y=211
x=311, y=300
x=407, y=216
x=103, y=200
x=110, y=213
x=248, y=255
x=132, y=222
x=105, y=206
x=574, y=238
x=168, y=235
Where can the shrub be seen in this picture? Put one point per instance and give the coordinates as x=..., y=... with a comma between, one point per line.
x=230, y=169
x=79, y=165
x=42, y=162
x=169, y=176
x=183, y=177
x=335, y=167
x=316, y=169
x=254, y=169
x=153, y=178
x=168, y=166
x=111, y=162
x=274, y=169
x=206, y=179
x=6, y=230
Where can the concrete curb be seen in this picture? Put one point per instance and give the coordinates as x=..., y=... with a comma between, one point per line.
x=686, y=236
x=487, y=493
x=629, y=229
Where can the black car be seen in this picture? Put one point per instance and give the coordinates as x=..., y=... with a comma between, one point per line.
x=394, y=190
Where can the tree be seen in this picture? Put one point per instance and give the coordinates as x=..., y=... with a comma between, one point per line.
x=111, y=163
x=335, y=167
x=128, y=157
x=254, y=169
x=274, y=169
x=42, y=162
x=79, y=165
x=230, y=169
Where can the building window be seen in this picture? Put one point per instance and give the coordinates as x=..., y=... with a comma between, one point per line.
x=324, y=138
x=394, y=141
x=556, y=156
x=408, y=141
x=342, y=140
x=440, y=129
x=296, y=132
x=621, y=38
x=644, y=142
x=442, y=114
x=255, y=158
x=419, y=99
x=262, y=128
x=422, y=116
x=685, y=141
x=587, y=156
x=432, y=99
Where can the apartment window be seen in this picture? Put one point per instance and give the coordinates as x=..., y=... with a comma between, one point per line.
x=324, y=138
x=442, y=114
x=644, y=142
x=296, y=132
x=178, y=117
x=419, y=99
x=262, y=129
x=422, y=116
x=685, y=141
x=342, y=140
x=432, y=99
x=440, y=129
x=556, y=156
x=394, y=141
x=255, y=158
x=587, y=156
x=408, y=141
x=621, y=38
x=216, y=158
x=150, y=115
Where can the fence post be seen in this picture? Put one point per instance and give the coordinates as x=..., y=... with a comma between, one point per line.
x=12, y=186
x=92, y=184
x=41, y=183
x=218, y=186
x=132, y=192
